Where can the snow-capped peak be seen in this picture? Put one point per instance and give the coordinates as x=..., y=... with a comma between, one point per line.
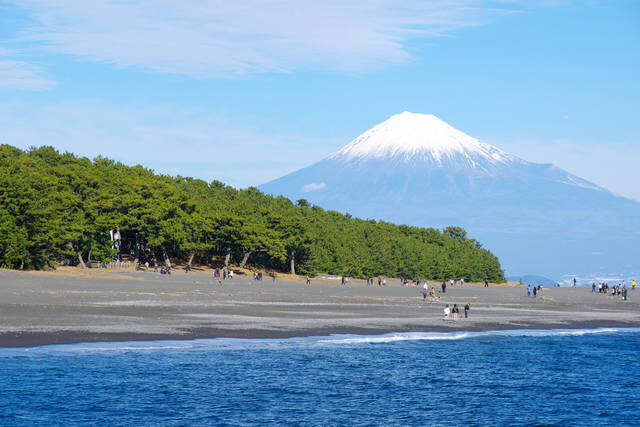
x=414, y=136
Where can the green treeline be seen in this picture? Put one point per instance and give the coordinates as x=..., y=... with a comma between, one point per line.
x=57, y=208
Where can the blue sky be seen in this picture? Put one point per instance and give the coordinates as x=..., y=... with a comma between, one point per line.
x=247, y=91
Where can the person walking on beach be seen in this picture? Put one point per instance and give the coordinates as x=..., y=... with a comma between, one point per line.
x=633, y=285
x=461, y=283
x=425, y=290
x=528, y=290
x=486, y=283
x=535, y=292
x=466, y=310
x=308, y=280
x=451, y=282
x=455, y=311
x=444, y=287
x=447, y=310
x=384, y=282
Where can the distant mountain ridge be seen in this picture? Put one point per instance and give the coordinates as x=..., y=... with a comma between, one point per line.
x=417, y=169
x=532, y=279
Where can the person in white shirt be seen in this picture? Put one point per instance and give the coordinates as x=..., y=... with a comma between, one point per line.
x=447, y=310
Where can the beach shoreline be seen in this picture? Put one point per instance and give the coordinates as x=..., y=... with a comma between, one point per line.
x=74, y=306
x=38, y=339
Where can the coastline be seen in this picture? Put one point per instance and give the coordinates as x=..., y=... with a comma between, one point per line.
x=79, y=306
x=38, y=339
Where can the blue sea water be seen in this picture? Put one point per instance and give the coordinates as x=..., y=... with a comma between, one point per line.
x=585, y=377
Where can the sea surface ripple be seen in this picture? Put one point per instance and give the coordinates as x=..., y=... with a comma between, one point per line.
x=558, y=377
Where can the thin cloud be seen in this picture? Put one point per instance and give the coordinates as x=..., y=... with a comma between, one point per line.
x=313, y=187
x=208, y=39
x=22, y=75
x=169, y=139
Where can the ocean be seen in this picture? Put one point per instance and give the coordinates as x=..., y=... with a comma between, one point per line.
x=557, y=377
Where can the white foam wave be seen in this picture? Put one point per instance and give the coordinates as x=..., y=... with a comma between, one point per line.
x=413, y=336
x=218, y=344
x=441, y=336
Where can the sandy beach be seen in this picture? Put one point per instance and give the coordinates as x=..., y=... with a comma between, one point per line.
x=71, y=305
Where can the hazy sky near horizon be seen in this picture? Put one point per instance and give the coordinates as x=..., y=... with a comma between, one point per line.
x=247, y=91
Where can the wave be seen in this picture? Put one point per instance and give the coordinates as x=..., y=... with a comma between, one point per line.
x=441, y=336
x=221, y=344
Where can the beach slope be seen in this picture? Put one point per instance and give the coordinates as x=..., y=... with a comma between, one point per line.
x=71, y=305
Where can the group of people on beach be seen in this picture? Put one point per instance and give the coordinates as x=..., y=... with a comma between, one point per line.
x=620, y=290
x=454, y=282
x=431, y=291
x=535, y=290
x=223, y=274
x=164, y=270
x=416, y=282
x=455, y=311
x=381, y=281
x=227, y=274
x=257, y=276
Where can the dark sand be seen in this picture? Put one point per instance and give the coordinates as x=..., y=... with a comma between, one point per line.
x=98, y=305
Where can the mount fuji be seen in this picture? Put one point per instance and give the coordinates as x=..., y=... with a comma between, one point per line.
x=537, y=218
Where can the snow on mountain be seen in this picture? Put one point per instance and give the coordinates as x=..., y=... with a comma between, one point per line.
x=410, y=137
x=416, y=169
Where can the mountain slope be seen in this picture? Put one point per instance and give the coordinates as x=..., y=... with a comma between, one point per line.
x=416, y=169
